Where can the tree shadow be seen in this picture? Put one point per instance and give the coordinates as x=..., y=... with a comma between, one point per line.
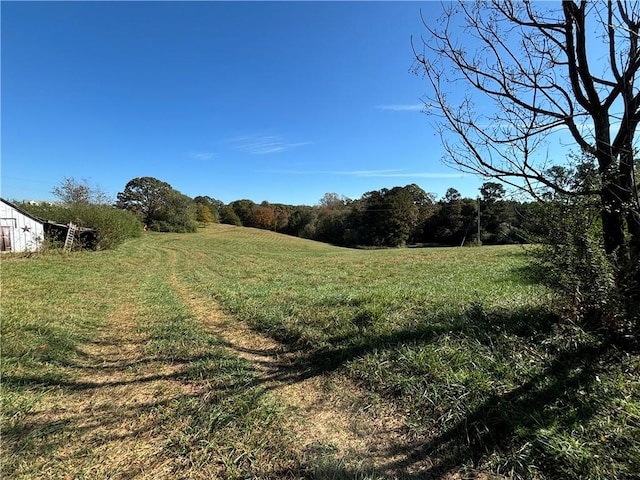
x=504, y=422
x=496, y=425
x=299, y=363
x=83, y=403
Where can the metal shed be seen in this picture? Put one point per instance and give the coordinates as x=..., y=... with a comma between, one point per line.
x=20, y=231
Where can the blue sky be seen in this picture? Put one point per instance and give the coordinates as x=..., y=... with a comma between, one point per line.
x=276, y=101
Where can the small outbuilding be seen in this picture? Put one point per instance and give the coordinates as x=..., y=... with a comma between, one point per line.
x=21, y=231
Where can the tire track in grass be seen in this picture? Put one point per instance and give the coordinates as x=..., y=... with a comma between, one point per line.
x=105, y=415
x=341, y=430
x=106, y=412
x=329, y=413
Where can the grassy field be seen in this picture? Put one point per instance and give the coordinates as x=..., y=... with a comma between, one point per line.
x=149, y=362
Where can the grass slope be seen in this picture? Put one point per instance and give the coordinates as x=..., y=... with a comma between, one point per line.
x=456, y=338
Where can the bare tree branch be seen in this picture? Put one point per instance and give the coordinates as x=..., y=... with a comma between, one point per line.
x=538, y=68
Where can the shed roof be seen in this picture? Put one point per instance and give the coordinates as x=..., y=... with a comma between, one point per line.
x=22, y=211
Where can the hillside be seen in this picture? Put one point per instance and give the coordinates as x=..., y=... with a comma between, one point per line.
x=242, y=353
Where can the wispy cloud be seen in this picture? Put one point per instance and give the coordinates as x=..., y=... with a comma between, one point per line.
x=264, y=144
x=365, y=173
x=376, y=173
x=203, y=156
x=397, y=174
x=402, y=107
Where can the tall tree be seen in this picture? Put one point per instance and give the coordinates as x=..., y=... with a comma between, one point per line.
x=204, y=214
x=497, y=215
x=388, y=217
x=263, y=216
x=179, y=214
x=208, y=209
x=281, y=217
x=492, y=192
x=229, y=216
x=452, y=221
x=158, y=205
x=302, y=221
x=332, y=200
x=573, y=66
x=244, y=210
x=146, y=197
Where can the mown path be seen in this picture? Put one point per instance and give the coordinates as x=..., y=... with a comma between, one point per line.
x=104, y=419
x=323, y=412
x=112, y=414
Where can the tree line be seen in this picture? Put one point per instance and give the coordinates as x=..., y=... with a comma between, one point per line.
x=382, y=218
x=567, y=227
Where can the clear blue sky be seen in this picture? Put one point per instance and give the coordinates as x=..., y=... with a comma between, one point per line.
x=276, y=101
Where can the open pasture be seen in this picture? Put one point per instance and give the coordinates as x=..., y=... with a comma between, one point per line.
x=181, y=356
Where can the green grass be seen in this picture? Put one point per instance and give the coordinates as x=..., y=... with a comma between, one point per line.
x=458, y=338
x=54, y=305
x=233, y=421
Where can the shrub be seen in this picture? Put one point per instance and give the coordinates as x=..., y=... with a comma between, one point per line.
x=169, y=227
x=572, y=260
x=113, y=226
x=229, y=216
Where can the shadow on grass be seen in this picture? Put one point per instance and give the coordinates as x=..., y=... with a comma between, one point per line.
x=484, y=327
x=499, y=424
x=502, y=424
x=97, y=413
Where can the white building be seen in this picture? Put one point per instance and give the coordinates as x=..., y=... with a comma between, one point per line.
x=21, y=231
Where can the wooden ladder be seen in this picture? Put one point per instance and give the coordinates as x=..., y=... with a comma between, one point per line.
x=71, y=234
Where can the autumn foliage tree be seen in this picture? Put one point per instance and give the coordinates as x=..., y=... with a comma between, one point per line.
x=207, y=209
x=263, y=216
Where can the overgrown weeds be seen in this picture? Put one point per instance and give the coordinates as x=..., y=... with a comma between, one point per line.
x=595, y=289
x=113, y=226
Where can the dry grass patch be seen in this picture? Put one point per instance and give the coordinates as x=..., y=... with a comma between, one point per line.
x=105, y=420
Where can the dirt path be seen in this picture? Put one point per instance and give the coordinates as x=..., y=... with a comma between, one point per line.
x=106, y=421
x=327, y=411
x=104, y=416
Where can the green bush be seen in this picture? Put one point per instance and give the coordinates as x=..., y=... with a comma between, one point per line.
x=113, y=226
x=165, y=226
x=229, y=216
x=572, y=260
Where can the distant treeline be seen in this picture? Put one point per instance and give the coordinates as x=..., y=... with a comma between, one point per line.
x=389, y=218
x=382, y=218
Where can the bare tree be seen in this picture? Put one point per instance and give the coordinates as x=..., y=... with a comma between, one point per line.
x=541, y=69
x=73, y=191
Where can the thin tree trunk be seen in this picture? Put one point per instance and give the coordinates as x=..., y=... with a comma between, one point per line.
x=612, y=223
